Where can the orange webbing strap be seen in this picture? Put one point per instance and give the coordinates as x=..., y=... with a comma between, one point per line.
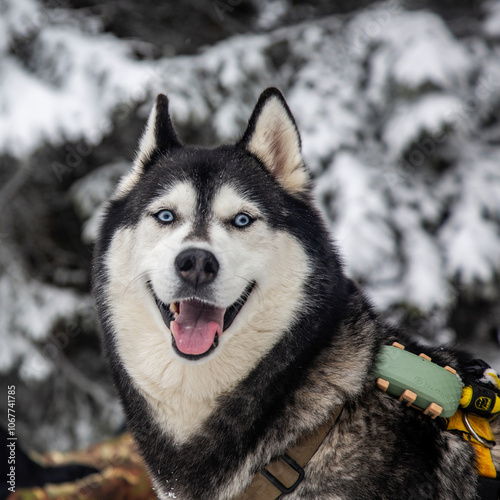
x=477, y=431
x=284, y=474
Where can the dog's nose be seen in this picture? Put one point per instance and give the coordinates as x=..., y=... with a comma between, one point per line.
x=197, y=266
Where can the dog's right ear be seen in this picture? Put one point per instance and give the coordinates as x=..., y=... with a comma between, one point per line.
x=158, y=137
x=159, y=133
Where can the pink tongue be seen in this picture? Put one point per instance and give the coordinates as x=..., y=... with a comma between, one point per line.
x=195, y=328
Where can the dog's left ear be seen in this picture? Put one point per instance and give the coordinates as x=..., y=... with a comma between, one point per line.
x=272, y=136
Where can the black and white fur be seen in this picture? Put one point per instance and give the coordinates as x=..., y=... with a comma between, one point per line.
x=303, y=342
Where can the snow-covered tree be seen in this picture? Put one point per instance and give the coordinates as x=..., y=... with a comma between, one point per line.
x=398, y=112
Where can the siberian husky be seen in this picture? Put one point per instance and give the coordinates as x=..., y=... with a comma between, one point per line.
x=232, y=330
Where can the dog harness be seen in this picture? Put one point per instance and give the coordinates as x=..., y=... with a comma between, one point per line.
x=421, y=384
x=283, y=475
x=438, y=391
x=468, y=411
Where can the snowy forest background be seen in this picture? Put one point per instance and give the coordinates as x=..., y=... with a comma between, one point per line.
x=398, y=104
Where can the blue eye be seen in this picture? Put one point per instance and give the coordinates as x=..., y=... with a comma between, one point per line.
x=242, y=220
x=165, y=216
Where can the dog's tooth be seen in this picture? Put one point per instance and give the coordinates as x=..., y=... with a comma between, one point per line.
x=174, y=308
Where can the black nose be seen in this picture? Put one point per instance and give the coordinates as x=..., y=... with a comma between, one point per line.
x=196, y=266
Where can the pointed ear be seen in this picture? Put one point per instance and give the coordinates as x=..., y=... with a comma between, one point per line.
x=158, y=137
x=273, y=137
x=159, y=133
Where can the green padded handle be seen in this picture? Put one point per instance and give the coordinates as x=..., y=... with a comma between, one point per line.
x=431, y=383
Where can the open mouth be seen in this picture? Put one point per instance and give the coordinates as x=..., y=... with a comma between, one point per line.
x=196, y=325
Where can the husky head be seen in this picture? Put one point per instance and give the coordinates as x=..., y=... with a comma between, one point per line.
x=205, y=255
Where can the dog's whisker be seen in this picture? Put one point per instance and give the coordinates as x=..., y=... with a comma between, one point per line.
x=135, y=280
x=255, y=289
